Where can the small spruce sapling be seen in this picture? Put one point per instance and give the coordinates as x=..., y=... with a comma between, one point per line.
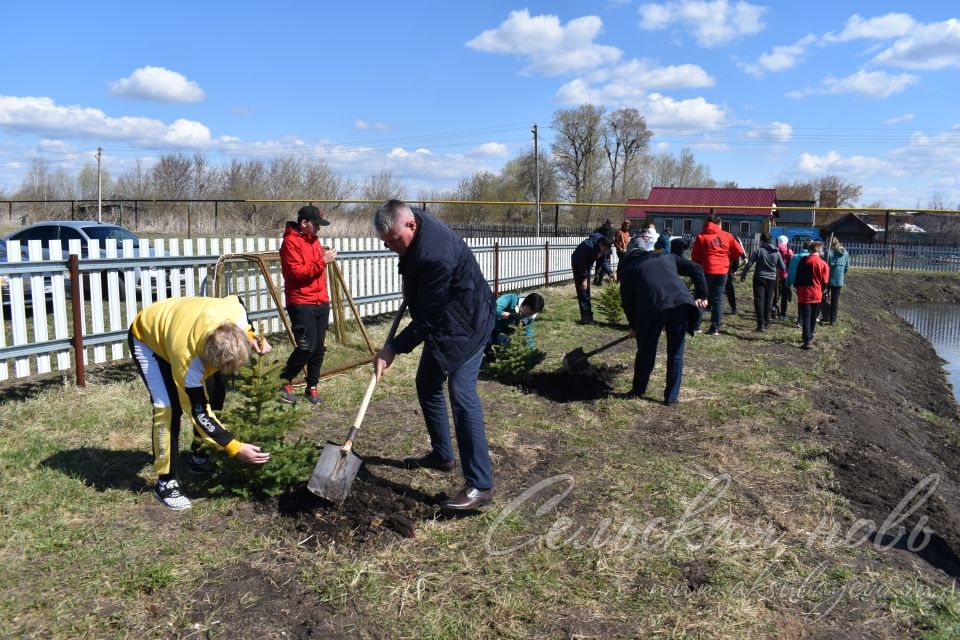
x=255, y=416
x=609, y=304
x=514, y=360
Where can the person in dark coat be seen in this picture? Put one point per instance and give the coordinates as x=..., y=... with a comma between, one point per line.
x=655, y=299
x=581, y=262
x=452, y=310
x=603, y=262
x=769, y=265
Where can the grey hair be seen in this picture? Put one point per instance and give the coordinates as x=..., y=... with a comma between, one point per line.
x=388, y=214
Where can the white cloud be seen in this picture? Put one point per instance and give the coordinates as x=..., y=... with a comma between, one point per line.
x=865, y=84
x=13, y=165
x=158, y=83
x=548, y=46
x=931, y=46
x=780, y=58
x=629, y=84
x=363, y=124
x=656, y=108
x=778, y=132
x=907, y=117
x=924, y=154
x=490, y=149
x=43, y=115
x=714, y=22
x=892, y=25
x=851, y=167
x=56, y=146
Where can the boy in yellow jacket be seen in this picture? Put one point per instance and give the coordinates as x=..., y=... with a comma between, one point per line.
x=178, y=344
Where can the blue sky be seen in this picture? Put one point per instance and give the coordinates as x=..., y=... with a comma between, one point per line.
x=434, y=91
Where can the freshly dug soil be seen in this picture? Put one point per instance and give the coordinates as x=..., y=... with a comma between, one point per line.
x=593, y=382
x=894, y=421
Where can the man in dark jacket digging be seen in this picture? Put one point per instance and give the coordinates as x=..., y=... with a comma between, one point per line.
x=655, y=299
x=452, y=308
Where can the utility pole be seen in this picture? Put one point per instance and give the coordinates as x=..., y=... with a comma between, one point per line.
x=536, y=163
x=99, y=186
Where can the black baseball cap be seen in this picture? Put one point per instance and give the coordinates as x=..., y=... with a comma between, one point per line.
x=313, y=214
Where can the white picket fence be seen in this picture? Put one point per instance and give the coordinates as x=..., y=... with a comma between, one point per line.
x=36, y=323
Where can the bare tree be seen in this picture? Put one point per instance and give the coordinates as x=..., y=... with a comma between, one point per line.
x=87, y=182
x=135, y=182
x=575, y=148
x=625, y=138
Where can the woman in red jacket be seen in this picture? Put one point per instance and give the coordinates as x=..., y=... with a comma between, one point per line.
x=812, y=274
x=715, y=250
x=304, y=263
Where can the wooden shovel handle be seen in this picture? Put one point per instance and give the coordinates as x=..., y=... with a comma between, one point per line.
x=606, y=346
x=345, y=449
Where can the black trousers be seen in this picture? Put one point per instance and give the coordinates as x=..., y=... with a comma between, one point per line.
x=731, y=293
x=808, y=320
x=309, y=323
x=763, y=289
x=833, y=305
x=786, y=294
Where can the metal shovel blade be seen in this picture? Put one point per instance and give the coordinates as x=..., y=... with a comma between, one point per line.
x=575, y=361
x=334, y=473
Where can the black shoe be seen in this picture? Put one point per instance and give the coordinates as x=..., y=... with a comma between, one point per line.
x=287, y=394
x=169, y=494
x=670, y=403
x=469, y=499
x=313, y=397
x=431, y=460
x=586, y=320
x=713, y=331
x=806, y=346
x=201, y=465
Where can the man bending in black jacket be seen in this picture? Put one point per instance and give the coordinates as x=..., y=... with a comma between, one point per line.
x=656, y=300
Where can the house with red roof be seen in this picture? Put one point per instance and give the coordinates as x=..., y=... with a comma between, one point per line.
x=682, y=210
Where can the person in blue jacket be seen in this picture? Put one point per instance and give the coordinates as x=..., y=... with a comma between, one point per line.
x=582, y=260
x=839, y=261
x=511, y=312
x=655, y=300
x=452, y=308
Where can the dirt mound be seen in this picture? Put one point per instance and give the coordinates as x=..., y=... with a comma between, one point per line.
x=594, y=382
x=886, y=441
x=372, y=510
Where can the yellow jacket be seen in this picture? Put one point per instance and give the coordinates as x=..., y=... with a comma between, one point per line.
x=176, y=330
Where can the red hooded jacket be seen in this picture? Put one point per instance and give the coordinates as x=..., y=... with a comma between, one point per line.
x=301, y=259
x=812, y=274
x=715, y=249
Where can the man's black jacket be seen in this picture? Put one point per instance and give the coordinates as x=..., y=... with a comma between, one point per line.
x=650, y=282
x=450, y=302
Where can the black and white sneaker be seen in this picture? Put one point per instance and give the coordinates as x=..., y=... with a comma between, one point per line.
x=169, y=494
x=201, y=465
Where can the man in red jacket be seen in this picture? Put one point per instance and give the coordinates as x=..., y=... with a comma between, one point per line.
x=304, y=263
x=715, y=250
x=812, y=274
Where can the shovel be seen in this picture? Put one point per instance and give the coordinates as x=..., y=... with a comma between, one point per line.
x=577, y=361
x=338, y=464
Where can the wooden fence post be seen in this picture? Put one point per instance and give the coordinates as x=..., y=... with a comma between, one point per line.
x=74, y=265
x=546, y=263
x=893, y=257
x=496, y=269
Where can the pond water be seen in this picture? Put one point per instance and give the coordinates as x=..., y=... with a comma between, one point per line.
x=940, y=324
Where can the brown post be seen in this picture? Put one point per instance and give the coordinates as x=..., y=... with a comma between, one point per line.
x=886, y=229
x=556, y=220
x=10, y=209
x=893, y=257
x=188, y=221
x=73, y=264
x=136, y=213
x=496, y=269
x=546, y=263
x=72, y=217
x=216, y=213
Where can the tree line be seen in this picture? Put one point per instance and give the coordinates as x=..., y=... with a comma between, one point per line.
x=597, y=156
